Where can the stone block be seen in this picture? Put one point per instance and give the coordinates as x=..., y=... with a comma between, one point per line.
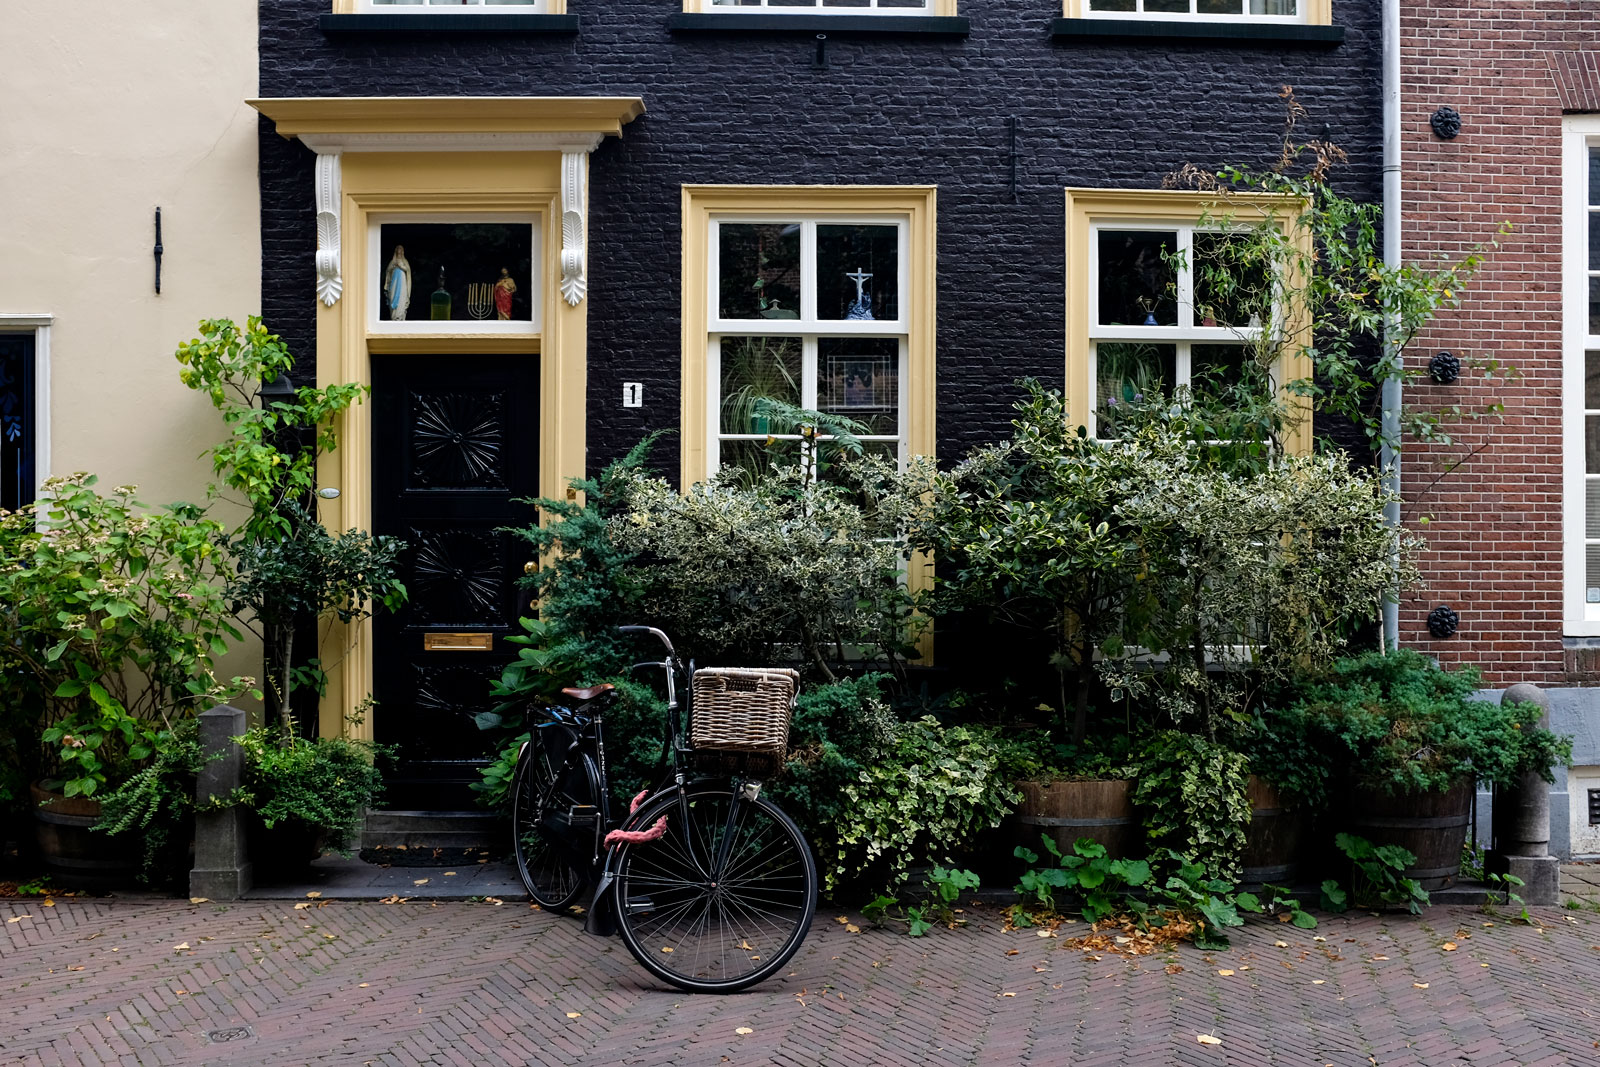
x=1541, y=876
x=222, y=868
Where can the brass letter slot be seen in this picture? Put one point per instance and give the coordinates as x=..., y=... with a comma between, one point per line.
x=457, y=642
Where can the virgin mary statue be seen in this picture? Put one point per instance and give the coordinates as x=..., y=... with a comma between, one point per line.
x=397, y=284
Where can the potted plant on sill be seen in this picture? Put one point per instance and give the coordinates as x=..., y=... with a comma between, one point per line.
x=113, y=614
x=1410, y=742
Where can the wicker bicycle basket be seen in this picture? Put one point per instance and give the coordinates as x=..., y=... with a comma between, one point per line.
x=743, y=710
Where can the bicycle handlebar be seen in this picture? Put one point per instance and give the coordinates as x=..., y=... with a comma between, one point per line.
x=657, y=634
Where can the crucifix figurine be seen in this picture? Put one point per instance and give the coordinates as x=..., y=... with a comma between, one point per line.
x=862, y=307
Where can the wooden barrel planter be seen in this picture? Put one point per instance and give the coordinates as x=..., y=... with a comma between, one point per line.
x=1099, y=809
x=75, y=855
x=1432, y=826
x=1272, y=842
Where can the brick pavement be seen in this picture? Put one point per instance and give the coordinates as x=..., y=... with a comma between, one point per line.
x=90, y=982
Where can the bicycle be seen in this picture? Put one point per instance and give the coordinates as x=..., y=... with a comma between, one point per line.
x=710, y=884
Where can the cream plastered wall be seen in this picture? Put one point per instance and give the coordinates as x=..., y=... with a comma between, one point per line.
x=108, y=109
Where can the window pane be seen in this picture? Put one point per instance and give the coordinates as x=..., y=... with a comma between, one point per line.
x=747, y=461
x=1594, y=175
x=1216, y=370
x=859, y=378
x=1230, y=281
x=1126, y=371
x=753, y=368
x=1112, y=5
x=1218, y=7
x=1167, y=6
x=858, y=272
x=1591, y=379
x=1591, y=444
x=1592, y=582
x=760, y=270
x=1591, y=524
x=1272, y=7
x=1594, y=240
x=1138, y=287
x=455, y=271
x=1594, y=305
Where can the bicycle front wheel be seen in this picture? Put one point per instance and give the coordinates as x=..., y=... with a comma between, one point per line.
x=724, y=898
x=544, y=783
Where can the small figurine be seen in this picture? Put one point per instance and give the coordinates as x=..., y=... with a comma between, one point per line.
x=862, y=307
x=397, y=284
x=504, y=289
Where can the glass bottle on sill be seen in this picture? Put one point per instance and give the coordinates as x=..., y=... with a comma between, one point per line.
x=439, y=306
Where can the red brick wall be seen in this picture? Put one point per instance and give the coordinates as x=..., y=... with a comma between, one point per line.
x=1490, y=504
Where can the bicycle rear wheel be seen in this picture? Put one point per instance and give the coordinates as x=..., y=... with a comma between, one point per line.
x=545, y=783
x=708, y=926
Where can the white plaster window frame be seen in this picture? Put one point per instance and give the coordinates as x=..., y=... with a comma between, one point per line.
x=421, y=287
x=1580, y=133
x=808, y=328
x=39, y=326
x=1299, y=18
x=452, y=7
x=1184, y=334
x=816, y=7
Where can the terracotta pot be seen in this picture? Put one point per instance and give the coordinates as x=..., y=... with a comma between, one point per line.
x=1272, y=841
x=1433, y=826
x=74, y=854
x=1099, y=809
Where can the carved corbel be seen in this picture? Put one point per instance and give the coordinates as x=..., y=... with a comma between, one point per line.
x=329, y=281
x=574, y=279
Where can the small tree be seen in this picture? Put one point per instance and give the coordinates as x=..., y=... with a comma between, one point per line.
x=289, y=569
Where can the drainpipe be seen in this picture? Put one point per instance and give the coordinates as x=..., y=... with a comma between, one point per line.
x=1389, y=455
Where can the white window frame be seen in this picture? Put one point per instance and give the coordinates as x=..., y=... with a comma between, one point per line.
x=808, y=328
x=1300, y=16
x=452, y=7
x=1580, y=133
x=377, y=324
x=1184, y=334
x=813, y=7
x=39, y=326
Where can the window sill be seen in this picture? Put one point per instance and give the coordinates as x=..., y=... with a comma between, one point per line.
x=340, y=25
x=1228, y=32
x=901, y=25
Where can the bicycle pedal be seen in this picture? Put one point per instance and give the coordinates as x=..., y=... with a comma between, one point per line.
x=583, y=815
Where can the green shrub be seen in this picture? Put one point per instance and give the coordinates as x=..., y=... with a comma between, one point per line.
x=327, y=784
x=1192, y=795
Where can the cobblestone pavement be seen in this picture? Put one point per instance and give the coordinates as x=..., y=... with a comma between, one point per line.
x=264, y=982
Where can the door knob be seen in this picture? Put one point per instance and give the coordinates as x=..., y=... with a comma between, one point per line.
x=530, y=567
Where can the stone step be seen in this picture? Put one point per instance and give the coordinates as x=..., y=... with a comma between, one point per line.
x=433, y=829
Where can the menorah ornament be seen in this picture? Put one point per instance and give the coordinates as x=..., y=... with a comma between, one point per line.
x=480, y=299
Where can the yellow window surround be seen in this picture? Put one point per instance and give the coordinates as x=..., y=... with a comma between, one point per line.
x=1088, y=208
x=934, y=7
x=1309, y=12
x=916, y=204
x=545, y=7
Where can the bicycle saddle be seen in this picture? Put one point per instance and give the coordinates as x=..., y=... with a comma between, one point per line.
x=583, y=696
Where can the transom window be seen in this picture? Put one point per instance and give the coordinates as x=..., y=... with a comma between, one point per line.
x=1156, y=322
x=1197, y=9
x=805, y=314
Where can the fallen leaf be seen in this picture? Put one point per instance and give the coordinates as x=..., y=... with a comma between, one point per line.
x=852, y=928
x=419, y=881
x=743, y=1030
x=1318, y=981
x=302, y=905
x=747, y=946
x=496, y=901
x=19, y=918
x=181, y=992
x=199, y=900
x=49, y=903
x=1207, y=1039
x=1449, y=946
x=363, y=985
x=1045, y=933
x=1012, y=951
x=666, y=948
x=1008, y=994
x=74, y=968
x=574, y=1014
x=313, y=895
x=1419, y=985
x=449, y=874
x=330, y=937
x=1226, y=974
x=180, y=945
x=1280, y=944
x=1319, y=937
x=1173, y=968
x=1386, y=957
x=841, y=918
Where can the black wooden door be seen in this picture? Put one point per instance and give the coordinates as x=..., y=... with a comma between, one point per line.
x=455, y=445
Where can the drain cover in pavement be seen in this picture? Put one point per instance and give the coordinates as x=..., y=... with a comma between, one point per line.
x=229, y=1033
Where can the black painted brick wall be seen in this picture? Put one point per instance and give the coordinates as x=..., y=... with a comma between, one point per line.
x=752, y=108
